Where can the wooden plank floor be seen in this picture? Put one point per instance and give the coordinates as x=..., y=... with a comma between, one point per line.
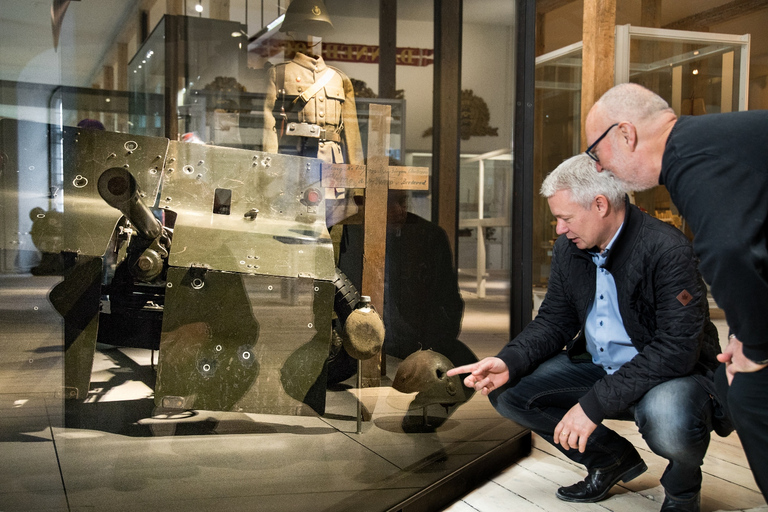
x=530, y=484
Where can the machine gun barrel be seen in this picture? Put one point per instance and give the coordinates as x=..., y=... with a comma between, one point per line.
x=119, y=189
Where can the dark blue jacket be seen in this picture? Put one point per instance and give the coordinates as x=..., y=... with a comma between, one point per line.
x=663, y=305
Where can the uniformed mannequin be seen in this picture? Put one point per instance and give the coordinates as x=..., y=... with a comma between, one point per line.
x=322, y=123
x=309, y=108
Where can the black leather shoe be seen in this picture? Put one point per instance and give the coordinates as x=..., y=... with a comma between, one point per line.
x=599, y=481
x=681, y=506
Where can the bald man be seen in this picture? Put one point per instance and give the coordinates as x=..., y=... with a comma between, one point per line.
x=716, y=170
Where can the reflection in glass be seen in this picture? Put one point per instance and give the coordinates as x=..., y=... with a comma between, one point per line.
x=557, y=137
x=200, y=359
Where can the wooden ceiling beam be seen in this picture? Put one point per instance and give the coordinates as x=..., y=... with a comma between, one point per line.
x=545, y=6
x=717, y=15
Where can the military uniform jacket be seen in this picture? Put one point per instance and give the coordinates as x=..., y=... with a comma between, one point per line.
x=662, y=302
x=331, y=109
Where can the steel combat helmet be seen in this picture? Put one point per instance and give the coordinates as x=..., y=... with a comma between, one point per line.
x=425, y=372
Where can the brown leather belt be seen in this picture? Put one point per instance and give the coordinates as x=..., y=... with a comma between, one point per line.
x=311, y=130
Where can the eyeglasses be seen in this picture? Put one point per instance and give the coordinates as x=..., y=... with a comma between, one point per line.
x=590, y=149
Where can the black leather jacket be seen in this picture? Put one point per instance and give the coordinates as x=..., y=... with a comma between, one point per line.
x=662, y=301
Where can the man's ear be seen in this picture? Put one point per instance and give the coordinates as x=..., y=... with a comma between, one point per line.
x=628, y=133
x=602, y=205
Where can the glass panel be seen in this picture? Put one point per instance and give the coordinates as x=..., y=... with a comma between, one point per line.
x=146, y=81
x=485, y=181
x=486, y=188
x=180, y=284
x=695, y=77
x=557, y=137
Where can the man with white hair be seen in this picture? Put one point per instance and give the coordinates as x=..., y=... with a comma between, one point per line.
x=626, y=301
x=716, y=170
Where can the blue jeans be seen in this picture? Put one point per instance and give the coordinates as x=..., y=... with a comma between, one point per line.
x=674, y=418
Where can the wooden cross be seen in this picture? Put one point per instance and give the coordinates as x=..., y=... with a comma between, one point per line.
x=377, y=178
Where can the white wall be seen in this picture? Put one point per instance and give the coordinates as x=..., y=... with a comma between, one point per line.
x=487, y=69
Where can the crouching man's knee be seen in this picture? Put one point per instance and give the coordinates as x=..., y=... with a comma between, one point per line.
x=675, y=419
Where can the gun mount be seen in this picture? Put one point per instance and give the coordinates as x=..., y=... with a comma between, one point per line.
x=217, y=257
x=118, y=188
x=147, y=257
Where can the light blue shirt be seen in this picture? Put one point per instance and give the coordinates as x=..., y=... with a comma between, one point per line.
x=607, y=340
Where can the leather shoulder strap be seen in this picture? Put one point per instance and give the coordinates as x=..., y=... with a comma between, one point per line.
x=321, y=82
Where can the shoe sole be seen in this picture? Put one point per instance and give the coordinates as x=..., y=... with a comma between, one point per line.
x=632, y=473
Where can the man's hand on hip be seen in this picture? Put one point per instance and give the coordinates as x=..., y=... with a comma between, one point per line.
x=735, y=360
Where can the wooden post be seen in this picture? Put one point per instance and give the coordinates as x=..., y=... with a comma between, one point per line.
x=598, y=54
x=650, y=13
x=377, y=177
x=219, y=10
x=446, y=107
x=174, y=7
x=375, y=223
x=387, y=48
x=122, y=66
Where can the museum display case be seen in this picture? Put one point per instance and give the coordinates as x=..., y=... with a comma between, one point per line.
x=239, y=251
x=195, y=319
